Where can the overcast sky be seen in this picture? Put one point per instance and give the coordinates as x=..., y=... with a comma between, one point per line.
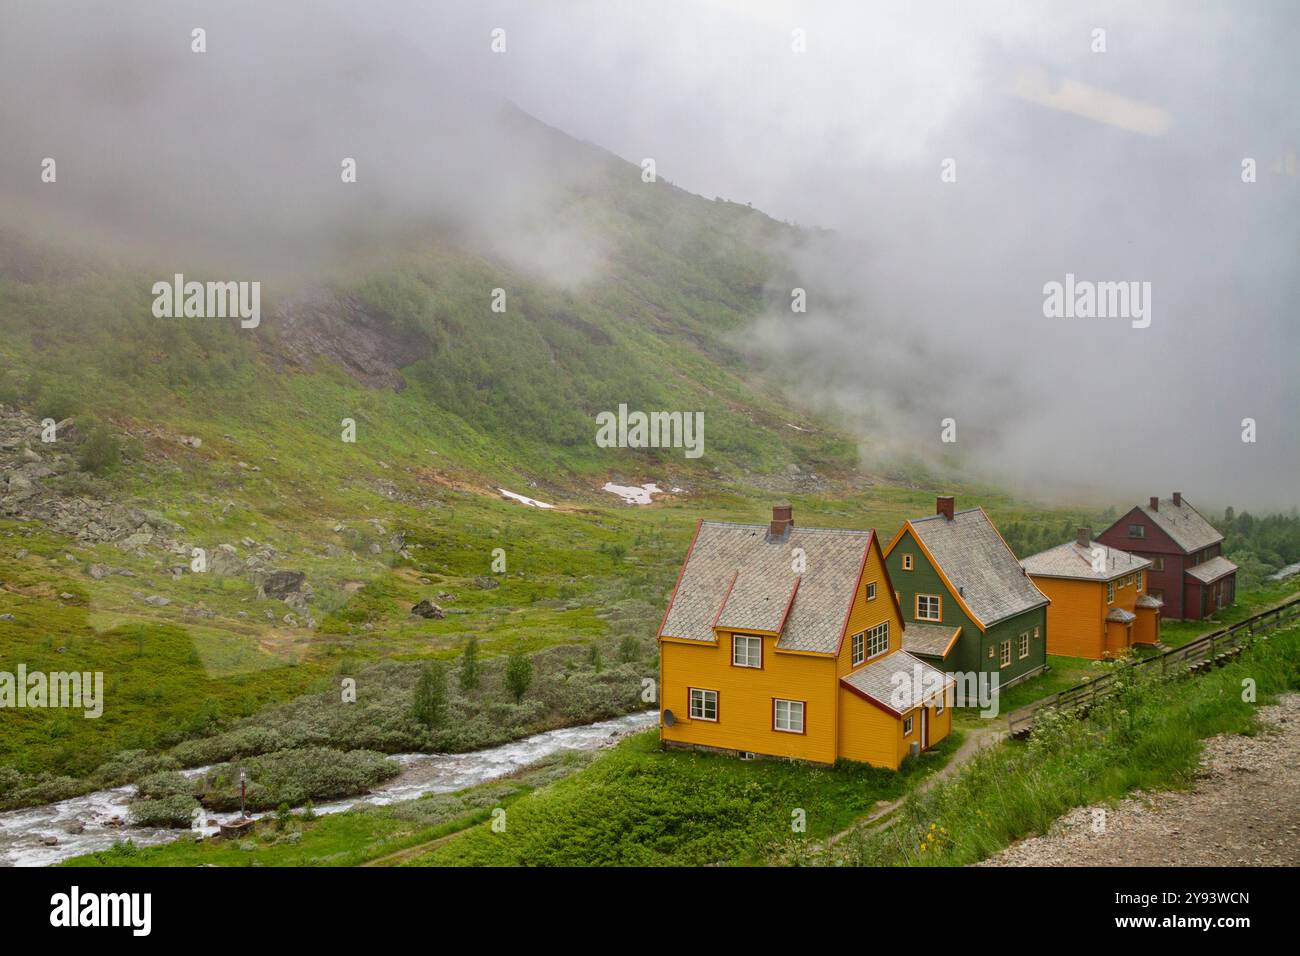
x=1117, y=165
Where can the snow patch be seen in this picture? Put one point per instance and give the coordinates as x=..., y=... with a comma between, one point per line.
x=531, y=502
x=634, y=494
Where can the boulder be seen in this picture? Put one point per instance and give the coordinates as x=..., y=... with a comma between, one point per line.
x=280, y=584
x=428, y=609
x=485, y=583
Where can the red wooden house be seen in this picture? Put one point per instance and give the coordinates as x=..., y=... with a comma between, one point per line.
x=1188, y=570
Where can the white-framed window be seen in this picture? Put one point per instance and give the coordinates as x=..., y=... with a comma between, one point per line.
x=1036, y=633
x=1024, y=645
x=992, y=647
x=929, y=607
x=907, y=726
x=859, y=647
x=746, y=651
x=871, y=590
x=907, y=562
x=1141, y=580
x=1110, y=592
x=704, y=704
x=878, y=640
x=787, y=716
x=1005, y=660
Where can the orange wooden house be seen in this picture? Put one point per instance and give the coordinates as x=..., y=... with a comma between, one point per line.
x=1100, y=606
x=787, y=642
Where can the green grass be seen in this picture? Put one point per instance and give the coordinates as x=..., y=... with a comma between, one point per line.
x=1146, y=737
x=643, y=806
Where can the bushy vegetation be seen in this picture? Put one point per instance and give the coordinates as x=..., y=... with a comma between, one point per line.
x=293, y=777
x=1145, y=737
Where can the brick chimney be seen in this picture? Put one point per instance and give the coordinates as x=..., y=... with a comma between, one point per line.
x=1178, y=499
x=943, y=506
x=782, y=520
x=1083, y=537
x=1155, y=503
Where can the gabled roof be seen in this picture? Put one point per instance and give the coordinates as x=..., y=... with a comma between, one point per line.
x=877, y=682
x=1183, y=524
x=1071, y=560
x=1207, y=572
x=983, y=572
x=1121, y=616
x=738, y=577
x=931, y=640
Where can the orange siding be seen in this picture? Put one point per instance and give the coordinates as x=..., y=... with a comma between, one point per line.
x=869, y=734
x=745, y=698
x=1076, y=616
x=864, y=614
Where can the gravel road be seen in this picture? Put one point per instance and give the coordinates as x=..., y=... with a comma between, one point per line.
x=1244, y=810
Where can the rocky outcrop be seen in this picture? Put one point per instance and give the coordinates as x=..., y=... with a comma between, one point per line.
x=427, y=609
x=369, y=345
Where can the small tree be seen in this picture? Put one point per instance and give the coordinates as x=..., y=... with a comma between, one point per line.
x=594, y=656
x=519, y=673
x=430, y=707
x=100, y=451
x=469, y=675
x=629, y=649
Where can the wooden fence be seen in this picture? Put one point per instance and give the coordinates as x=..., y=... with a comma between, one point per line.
x=1204, y=652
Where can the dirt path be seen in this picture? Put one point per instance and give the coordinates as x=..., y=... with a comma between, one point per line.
x=1244, y=810
x=975, y=741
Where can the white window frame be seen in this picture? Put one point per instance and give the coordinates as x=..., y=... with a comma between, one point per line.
x=938, y=608
x=790, y=727
x=1141, y=580
x=871, y=590
x=1004, y=654
x=1023, y=649
x=909, y=562
x=907, y=726
x=703, y=699
x=748, y=640
x=874, y=637
x=859, y=647
x=1110, y=592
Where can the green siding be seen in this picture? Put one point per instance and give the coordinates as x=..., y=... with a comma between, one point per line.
x=972, y=650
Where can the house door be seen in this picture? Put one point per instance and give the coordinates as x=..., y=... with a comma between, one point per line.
x=925, y=728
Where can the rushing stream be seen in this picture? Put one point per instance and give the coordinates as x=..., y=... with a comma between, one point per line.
x=101, y=815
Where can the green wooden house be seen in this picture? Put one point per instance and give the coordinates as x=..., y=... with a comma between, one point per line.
x=967, y=603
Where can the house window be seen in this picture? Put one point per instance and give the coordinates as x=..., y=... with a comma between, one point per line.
x=1110, y=592
x=787, y=716
x=878, y=640
x=928, y=607
x=746, y=651
x=1141, y=579
x=871, y=591
x=1137, y=531
x=907, y=726
x=704, y=704
x=1157, y=564
x=1035, y=633
x=1005, y=660
x=859, y=647
x=990, y=652
x=1024, y=645
x=907, y=562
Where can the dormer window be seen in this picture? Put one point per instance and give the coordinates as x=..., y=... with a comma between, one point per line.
x=746, y=651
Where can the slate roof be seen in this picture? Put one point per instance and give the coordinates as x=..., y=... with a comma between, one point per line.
x=1147, y=600
x=1207, y=572
x=876, y=680
x=742, y=578
x=1183, y=523
x=1121, y=616
x=932, y=640
x=978, y=562
x=1069, y=560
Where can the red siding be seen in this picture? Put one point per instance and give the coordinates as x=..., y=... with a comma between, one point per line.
x=1153, y=545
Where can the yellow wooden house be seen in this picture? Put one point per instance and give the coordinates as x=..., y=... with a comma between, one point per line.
x=787, y=642
x=1100, y=604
